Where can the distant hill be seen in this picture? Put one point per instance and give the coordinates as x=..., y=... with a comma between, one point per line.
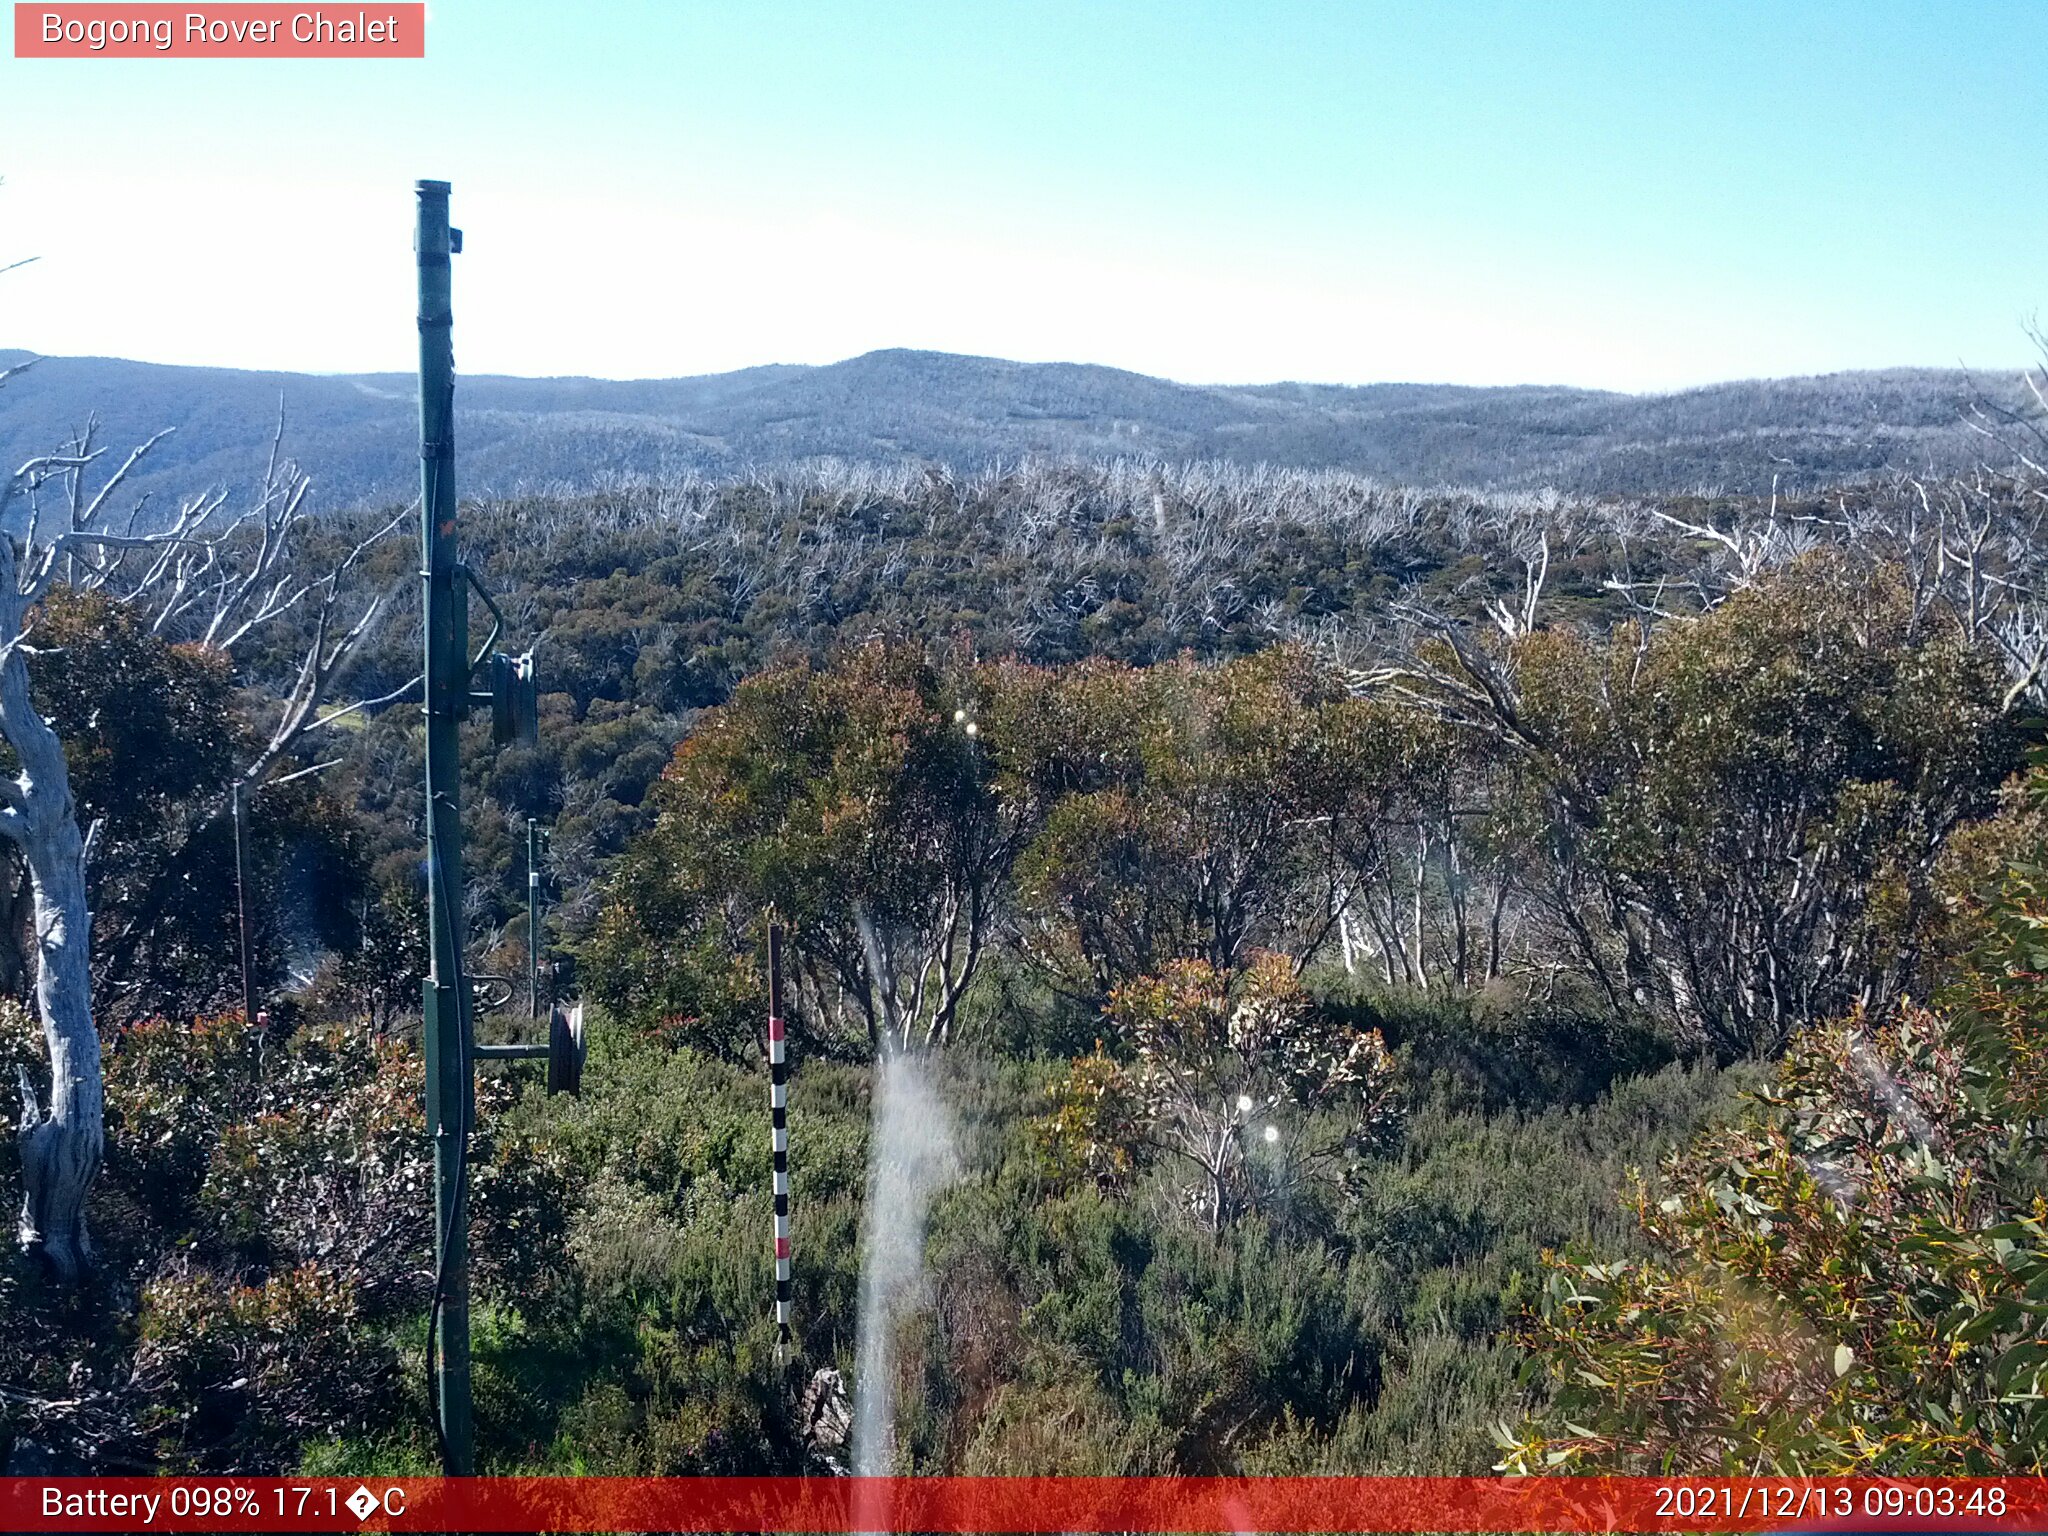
x=356, y=433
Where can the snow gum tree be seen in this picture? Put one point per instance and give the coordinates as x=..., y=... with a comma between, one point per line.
x=205, y=573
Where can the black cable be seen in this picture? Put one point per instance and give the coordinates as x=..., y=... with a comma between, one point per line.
x=435, y=453
x=461, y=1172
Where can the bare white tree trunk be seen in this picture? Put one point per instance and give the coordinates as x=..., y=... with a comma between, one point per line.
x=60, y=1148
x=216, y=579
x=61, y=1137
x=1415, y=928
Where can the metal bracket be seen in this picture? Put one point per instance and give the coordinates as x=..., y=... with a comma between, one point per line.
x=564, y=1052
x=476, y=584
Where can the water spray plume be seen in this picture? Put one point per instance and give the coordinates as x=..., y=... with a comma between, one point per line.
x=911, y=1156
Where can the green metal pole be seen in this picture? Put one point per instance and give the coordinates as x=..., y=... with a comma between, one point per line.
x=450, y=1084
x=532, y=918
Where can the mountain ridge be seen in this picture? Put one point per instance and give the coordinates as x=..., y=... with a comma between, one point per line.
x=354, y=432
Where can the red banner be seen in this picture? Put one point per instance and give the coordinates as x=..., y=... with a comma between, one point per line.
x=238, y=31
x=989, y=1504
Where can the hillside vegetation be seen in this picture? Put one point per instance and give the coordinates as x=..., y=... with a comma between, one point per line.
x=1485, y=847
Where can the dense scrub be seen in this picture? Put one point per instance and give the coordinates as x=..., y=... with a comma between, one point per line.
x=1371, y=1344
x=1848, y=1275
x=1479, y=847
x=653, y=601
x=1724, y=826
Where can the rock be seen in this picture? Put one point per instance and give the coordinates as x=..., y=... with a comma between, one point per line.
x=824, y=1417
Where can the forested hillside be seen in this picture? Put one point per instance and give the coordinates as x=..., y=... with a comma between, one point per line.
x=351, y=433
x=1305, y=900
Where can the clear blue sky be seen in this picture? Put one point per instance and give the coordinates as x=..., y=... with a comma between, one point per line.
x=1631, y=195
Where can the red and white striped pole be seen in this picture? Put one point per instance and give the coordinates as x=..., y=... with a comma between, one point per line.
x=778, y=1107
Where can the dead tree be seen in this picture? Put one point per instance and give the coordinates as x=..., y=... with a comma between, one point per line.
x=221, y=572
